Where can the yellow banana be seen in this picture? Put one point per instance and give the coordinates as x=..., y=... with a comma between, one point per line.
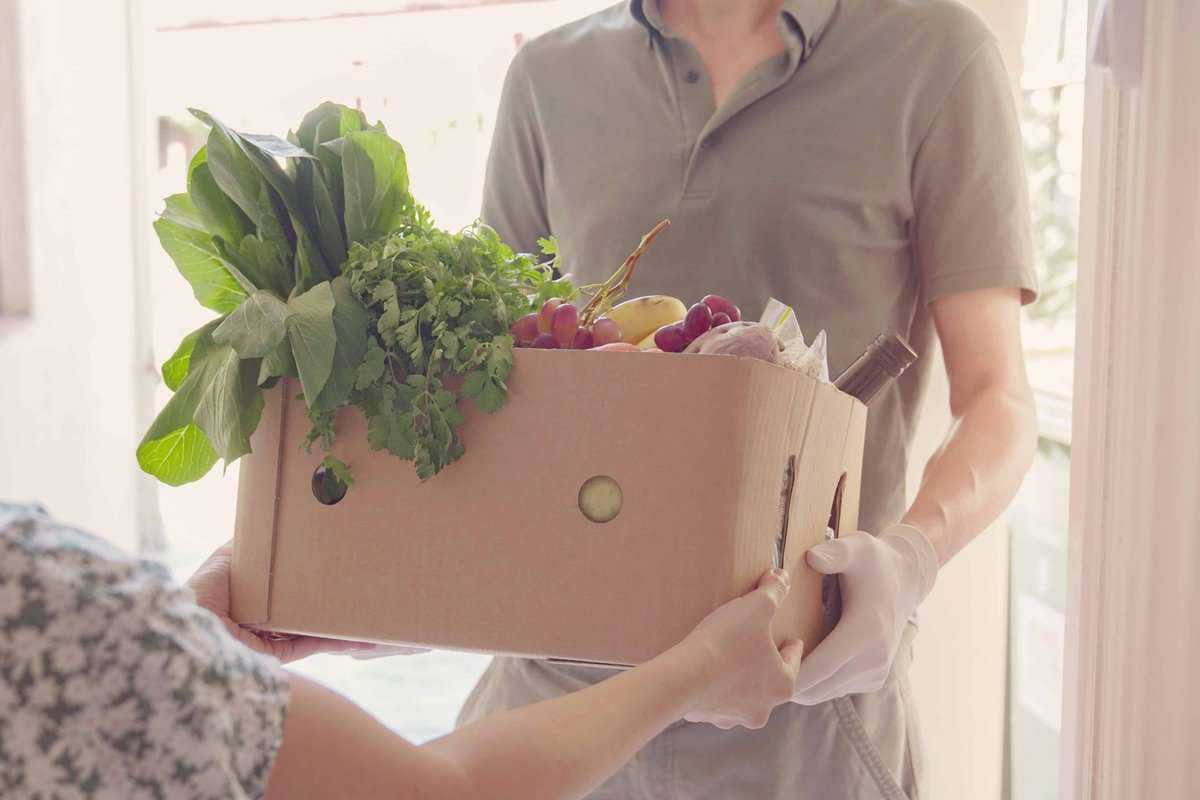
x=642, y=316
x=648, y=342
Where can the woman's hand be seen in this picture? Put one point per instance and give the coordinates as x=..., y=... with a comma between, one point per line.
x=210, y=584
x=745, y=673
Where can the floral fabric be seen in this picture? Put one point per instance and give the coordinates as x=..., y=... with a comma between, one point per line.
x=114, y=683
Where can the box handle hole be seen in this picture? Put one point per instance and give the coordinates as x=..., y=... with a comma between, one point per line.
x=327, y=487
x=600, y=498
x=831, y=595
x=785, y=502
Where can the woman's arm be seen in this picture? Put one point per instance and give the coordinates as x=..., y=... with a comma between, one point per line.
x=728, y=670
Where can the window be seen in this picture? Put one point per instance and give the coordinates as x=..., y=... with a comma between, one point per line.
x=1052, y=128
x=14, y=267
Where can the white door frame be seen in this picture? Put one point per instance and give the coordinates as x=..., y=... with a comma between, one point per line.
x=14, y=253
x=1131, y=711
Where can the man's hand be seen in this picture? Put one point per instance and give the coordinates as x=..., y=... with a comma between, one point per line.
x=210, y=584
x=883, y=579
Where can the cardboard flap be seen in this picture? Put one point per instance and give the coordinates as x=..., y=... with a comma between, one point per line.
x=827, y=475
x=254, y=539
x=852, y=468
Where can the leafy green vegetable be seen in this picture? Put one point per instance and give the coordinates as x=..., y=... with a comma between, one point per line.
x=175, y=368
x=256, y=327
x=328, y=217
x=328, y=121
x=176, y=455
x=220, y=215
x=376, y=185
x=261, y=264
x=339, y=469
x=325, y=269
x=232, y=169
x=245, y=167
x=350, y=326
x=442, y=305
x=175, y=449
x=194, y=253
x=311, y=332
x=230, y=403
x=279, y=363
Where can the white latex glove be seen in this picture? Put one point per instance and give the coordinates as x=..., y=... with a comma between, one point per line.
x=883, y=579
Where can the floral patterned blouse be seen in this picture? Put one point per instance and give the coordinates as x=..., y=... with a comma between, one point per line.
x=115, y=684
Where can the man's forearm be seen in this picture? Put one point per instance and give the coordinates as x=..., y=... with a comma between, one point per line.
x=976, y=472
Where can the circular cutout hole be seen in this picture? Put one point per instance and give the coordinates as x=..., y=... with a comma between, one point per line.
x=600, y=498
x=327, y=487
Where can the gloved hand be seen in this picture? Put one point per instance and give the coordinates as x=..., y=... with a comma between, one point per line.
x=883, y=579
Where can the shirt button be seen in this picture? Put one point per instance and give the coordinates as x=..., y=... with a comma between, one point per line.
x=692, y=76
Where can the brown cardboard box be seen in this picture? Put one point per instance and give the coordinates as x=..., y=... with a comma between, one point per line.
x=493, y=554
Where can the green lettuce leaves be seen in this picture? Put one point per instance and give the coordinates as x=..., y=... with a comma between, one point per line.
x=323, y=268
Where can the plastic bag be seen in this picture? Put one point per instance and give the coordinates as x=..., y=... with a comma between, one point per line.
x=811, y=360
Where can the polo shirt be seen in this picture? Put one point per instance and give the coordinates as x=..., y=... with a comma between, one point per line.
x=872, y=167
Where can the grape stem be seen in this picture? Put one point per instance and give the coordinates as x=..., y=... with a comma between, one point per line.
x=615, y=287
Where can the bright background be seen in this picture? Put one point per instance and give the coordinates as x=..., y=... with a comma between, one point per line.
x=105, y=86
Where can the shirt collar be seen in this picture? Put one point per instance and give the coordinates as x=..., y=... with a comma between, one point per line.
x=809, y=18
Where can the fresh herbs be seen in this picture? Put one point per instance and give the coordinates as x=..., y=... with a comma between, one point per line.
x=325, y=269
x=440, y=306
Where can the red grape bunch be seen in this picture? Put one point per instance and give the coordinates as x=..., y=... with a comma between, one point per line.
x=710, y=312
x=557, y=326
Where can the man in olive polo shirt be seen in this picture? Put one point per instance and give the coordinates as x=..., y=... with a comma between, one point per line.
x=860, y=160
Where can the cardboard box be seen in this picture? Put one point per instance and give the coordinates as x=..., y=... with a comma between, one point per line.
x=493, y=554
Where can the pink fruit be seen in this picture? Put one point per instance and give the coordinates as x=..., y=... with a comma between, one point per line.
x=546, y=315
x=564, y=324
x=720, y=318
x=697, y=321
x=670, y=338
x=718, y=304
x=606, y=331
x=525, y=330
x=584, y=339
x=545, y=341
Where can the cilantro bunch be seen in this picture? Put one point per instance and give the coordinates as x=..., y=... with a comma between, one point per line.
x=323, y=268
x=441, y=305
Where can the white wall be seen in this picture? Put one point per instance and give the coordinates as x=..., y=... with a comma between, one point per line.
x=68, y=405
x=14, y=289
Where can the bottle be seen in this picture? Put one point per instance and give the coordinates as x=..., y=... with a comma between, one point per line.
x=887, y=357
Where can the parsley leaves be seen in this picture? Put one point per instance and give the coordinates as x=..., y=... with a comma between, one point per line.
x=440, y=305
